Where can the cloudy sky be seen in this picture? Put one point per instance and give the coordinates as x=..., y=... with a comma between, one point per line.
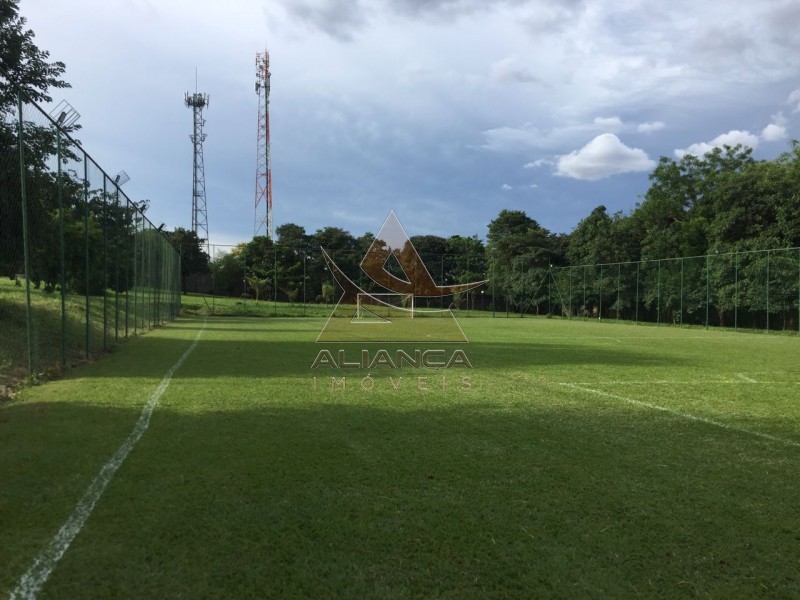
x=446, y=111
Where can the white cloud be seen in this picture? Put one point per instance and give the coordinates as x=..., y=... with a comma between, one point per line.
x=609, y=124
x=533, y=186
x=774, y=133
x=602, y=157
x=794, y=99
x=732, y=138
x=650, y=127
x=540, y=162
x=505, y=187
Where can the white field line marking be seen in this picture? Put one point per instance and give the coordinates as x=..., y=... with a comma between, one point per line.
x=32, y=581
x=684, y=415
x=744, y=377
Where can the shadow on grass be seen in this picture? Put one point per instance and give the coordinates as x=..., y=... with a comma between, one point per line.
x=329, y=499
x=228, y=350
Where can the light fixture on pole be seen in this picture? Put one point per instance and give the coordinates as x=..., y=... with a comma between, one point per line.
x=121, y=179
x=64, y=114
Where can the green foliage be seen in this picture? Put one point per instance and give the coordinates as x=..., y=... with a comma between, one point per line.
x=22, y=64
x=521, y=253
x=194, y=258
x=327, y=292
x=229, y=272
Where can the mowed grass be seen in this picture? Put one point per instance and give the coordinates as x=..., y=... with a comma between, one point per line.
x=580, y=459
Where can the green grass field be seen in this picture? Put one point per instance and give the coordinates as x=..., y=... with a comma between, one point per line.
x=581, y=459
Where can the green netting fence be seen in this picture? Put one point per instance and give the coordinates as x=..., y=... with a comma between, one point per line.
x=282, y=280
x=743, y=290
x=81, y=266
x=748, y=290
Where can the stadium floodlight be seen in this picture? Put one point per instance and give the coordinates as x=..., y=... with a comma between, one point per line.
x=64, y=114
x=121, y=179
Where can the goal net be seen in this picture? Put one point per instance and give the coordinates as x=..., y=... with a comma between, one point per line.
x=382, y=307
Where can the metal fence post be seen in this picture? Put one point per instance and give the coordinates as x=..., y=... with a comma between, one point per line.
x=767, y=290
x=105, y=262
x=707, y=292
x=736, y=293
x=570, y=293
x=61, y=251
x=600, y=313
x=619, y=273
x=86, y=247
x=494, y=290
x=116, y=263
x=584, y=291
x=25, y=251
x=638, y=264
x=658, y=294
x=681, y=316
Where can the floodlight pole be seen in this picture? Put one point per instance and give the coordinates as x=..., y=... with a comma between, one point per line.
x=304, y=282
x=62, y=249
x=197, y=102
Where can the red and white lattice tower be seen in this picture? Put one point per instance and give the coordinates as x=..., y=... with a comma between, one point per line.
x=263, y=212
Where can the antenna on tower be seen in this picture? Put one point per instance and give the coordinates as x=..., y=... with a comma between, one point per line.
x=197, y=102
x=263, y=205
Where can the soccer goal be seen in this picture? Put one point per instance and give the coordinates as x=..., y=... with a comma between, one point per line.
x=384, y=307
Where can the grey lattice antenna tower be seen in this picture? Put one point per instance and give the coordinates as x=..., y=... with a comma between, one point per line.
x=263, y=211
x=197, y=102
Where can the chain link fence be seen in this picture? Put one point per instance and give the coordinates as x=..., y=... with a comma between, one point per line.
x=81, y=266
x=751, y=290
x=280, y=280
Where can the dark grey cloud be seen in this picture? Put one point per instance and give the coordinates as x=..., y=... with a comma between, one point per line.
x=447, y=8
x=340, y=19
x=343, y=19
x=553, y=17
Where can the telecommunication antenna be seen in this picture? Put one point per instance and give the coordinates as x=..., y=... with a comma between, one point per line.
x=197, y=102
x=263, y=206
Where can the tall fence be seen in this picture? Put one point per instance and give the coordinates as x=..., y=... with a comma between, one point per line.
x=751, y=290
x=295, y=281
x=81, y=266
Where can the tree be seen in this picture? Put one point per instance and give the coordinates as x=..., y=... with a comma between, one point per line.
x=258, y=257
x=342, y=247
x=293, y=252
x=228, y=272
x=194, y=259
x=591, y=242
x=520, y=252
x=23, y=66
